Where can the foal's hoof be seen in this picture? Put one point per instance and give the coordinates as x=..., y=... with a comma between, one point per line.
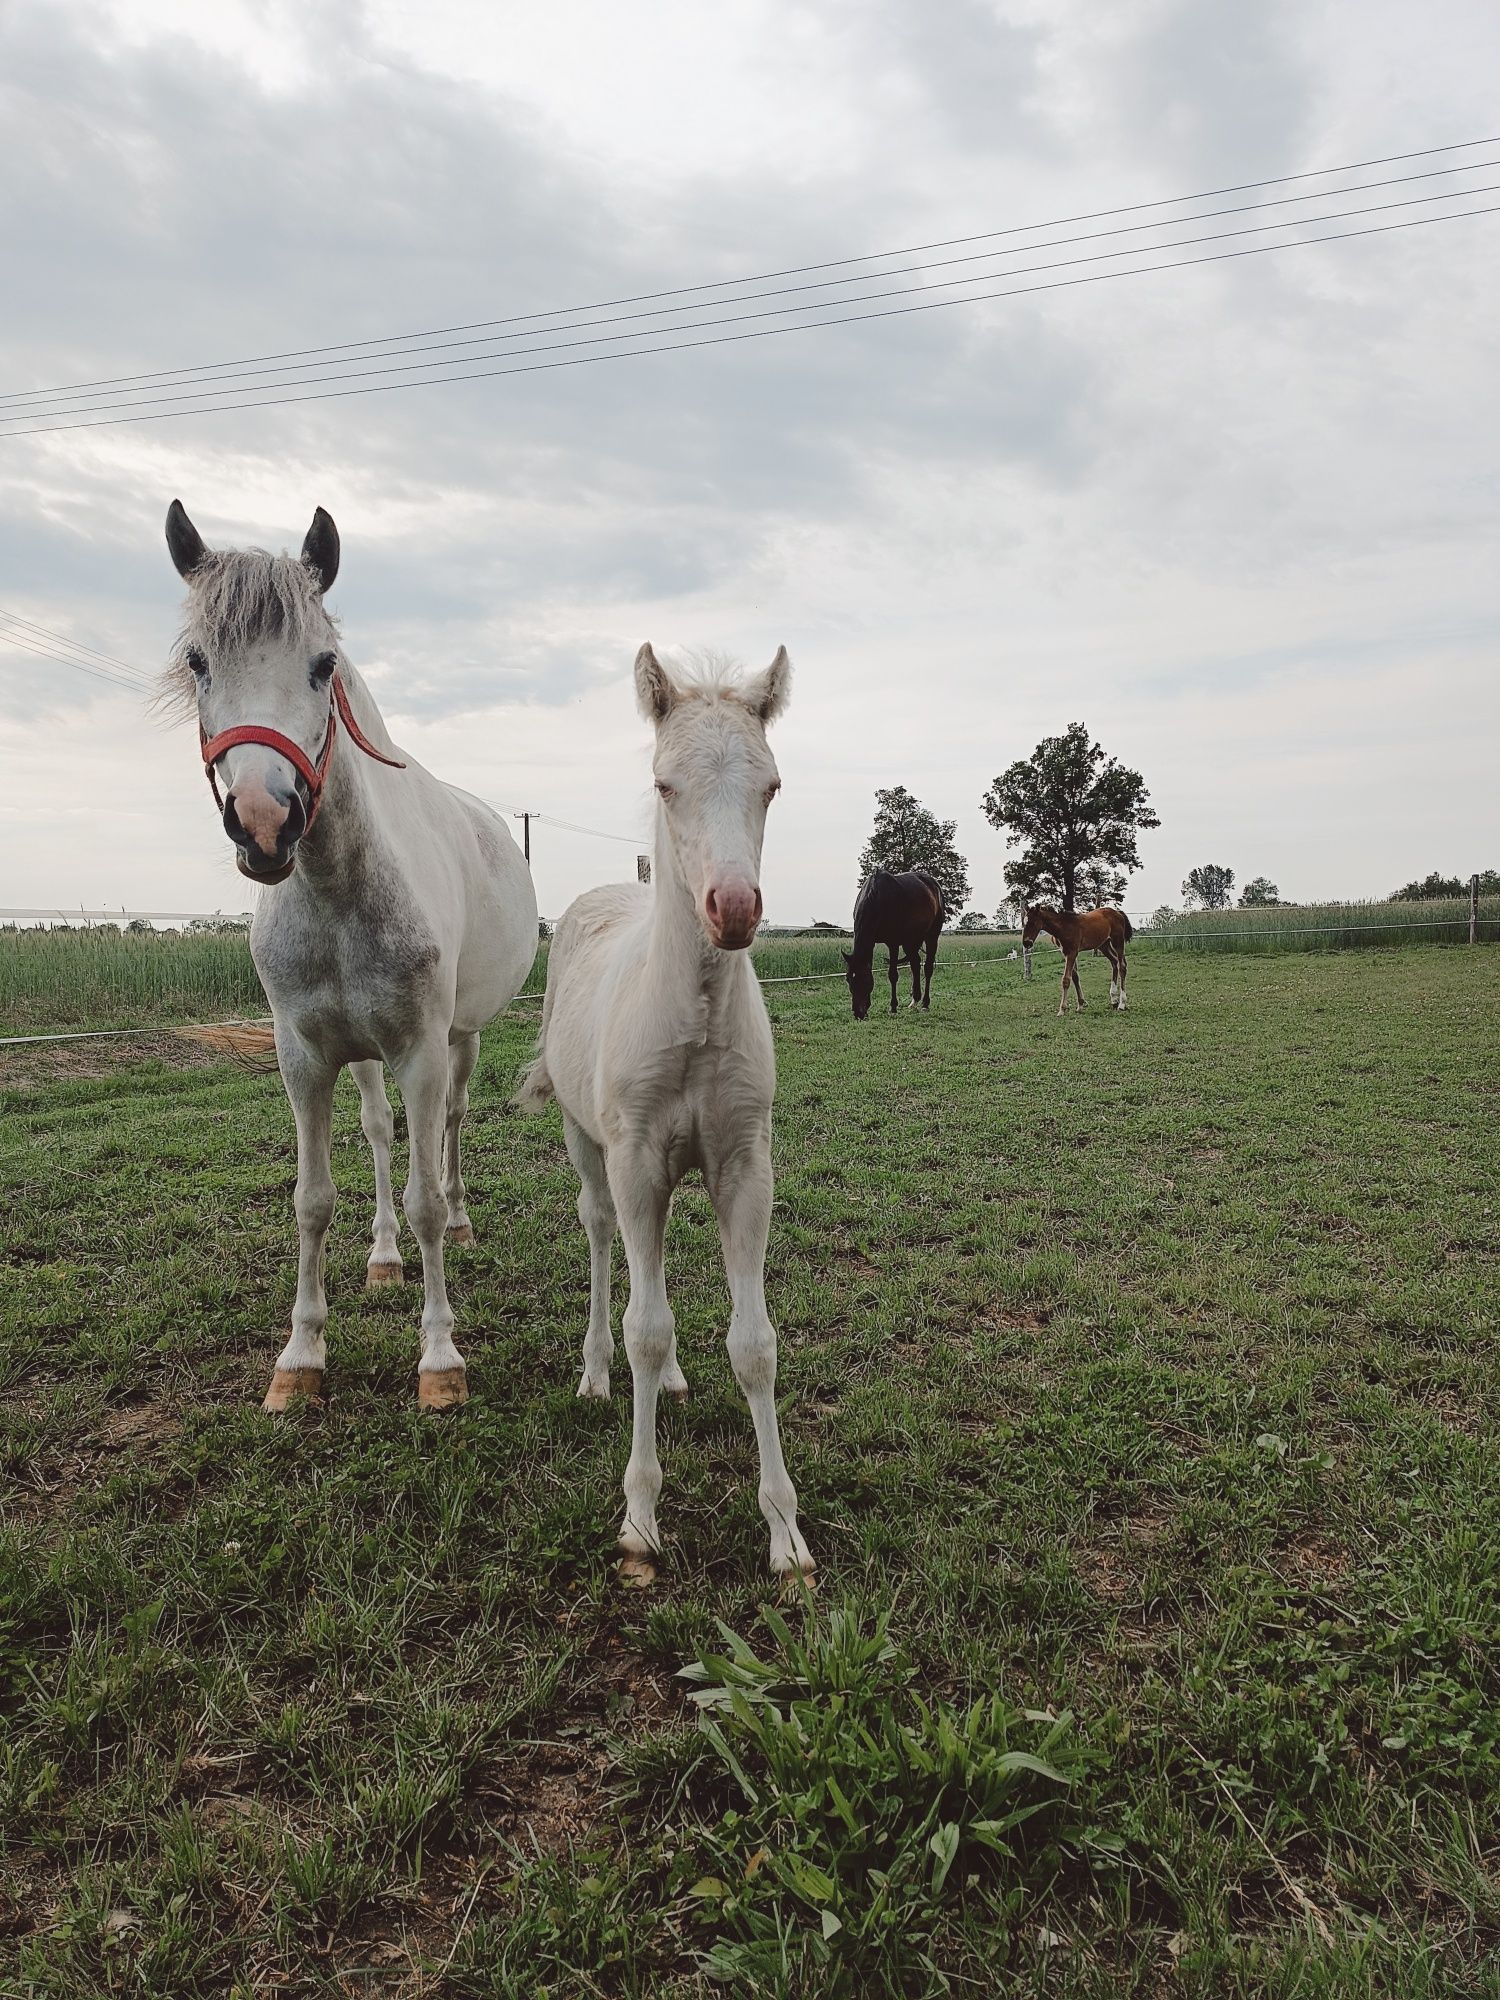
x=288, y=1384
x=442, y=1388
x=461, y=1233
x=378, y=1275
x=637, y=1572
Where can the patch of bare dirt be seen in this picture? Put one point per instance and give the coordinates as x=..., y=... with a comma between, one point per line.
x=1111, y=1567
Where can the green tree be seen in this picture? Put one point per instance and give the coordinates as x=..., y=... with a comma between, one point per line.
x=973, y=921
x=1437, y=888
x=1261, y=893
x=906, y=835
x=1210, y=886
x=1075, y=814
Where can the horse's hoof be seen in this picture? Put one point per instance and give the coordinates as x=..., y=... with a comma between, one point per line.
x=288, y=1384
x=442, y=1388
x=680, y=1395
x=379, y=1275
x=596, y=1388
x=464, y=1233
x=637, y=1572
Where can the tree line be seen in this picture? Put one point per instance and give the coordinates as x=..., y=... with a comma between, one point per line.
x=1073, y=815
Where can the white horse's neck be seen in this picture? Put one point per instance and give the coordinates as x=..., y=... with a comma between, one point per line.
x=332, y=860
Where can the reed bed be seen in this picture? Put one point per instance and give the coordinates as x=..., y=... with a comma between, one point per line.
x=1325, y=926
x=105, y=977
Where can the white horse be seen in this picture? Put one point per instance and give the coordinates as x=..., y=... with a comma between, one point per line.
x=656, y=1044
x=401, y=921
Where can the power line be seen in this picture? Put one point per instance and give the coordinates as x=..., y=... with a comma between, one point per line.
x=795, y=270
x=402, y=366
x=13, y=618
x=761, y=333
x=78, y=399
x=104, y=674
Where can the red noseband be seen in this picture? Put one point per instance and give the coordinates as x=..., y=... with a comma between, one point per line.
x=311, y=774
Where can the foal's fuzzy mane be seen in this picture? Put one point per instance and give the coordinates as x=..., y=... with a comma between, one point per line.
x=237, y=598
x=705, y=675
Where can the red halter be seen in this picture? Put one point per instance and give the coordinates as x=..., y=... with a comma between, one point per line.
x=311, y=774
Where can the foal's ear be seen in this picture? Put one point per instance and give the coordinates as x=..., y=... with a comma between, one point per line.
x=654, y=689
x=320, y=551
x=186, y=545
x=767, y=694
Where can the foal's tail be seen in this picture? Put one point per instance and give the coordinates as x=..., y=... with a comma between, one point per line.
x=534, y=1085
x=1129, y=927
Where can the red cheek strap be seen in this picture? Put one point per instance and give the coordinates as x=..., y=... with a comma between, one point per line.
x=312, y=775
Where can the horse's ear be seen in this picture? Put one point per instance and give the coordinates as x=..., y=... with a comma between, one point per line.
x=654, y=689
x=767, y=694
x=186, y=545
x=320, y=549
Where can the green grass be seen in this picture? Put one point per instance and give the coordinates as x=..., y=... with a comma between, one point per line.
x=1139, y=1379
x=1326, y=926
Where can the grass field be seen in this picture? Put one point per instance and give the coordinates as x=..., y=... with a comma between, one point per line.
x=1140, y=1386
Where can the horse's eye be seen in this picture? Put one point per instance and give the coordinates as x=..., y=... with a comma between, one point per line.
x=664, y=790
x=197, y=662
x=772, y=790
x=322, y=669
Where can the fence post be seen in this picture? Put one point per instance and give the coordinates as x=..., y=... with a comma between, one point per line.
x=1473, y=909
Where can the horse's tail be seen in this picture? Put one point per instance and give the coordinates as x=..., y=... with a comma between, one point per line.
x=1129, y=927
x=534, y=1089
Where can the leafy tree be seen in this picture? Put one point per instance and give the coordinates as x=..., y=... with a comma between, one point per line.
x=972, y=921
x=1435, y=888
x=1261, y=893
x=906, y=835
x=1210, y=886
x=1070, y=809
x=1163, y=917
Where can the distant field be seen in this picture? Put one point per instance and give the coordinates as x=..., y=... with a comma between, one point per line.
x=1326, y=926
x=1139, y=1378
x=108, y=978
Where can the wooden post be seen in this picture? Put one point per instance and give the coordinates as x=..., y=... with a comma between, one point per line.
x=643, y=868
x=1473, y=909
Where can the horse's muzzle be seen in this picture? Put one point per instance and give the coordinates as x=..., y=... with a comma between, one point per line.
x=268, y=853
x=732, y=915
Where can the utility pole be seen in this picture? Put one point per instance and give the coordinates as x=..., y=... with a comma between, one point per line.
x=525, y=819
x=1473, y=909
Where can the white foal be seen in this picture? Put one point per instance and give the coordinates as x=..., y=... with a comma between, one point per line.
x=656, y=1044
x=396, y=919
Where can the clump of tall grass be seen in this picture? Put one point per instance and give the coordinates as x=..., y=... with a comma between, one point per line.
x=105, y=977
x=1324, y=926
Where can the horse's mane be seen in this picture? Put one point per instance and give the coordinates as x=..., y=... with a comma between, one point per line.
x=704, y=676
x=239, y=597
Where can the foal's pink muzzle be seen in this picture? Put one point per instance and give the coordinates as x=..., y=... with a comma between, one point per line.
x=731, y=913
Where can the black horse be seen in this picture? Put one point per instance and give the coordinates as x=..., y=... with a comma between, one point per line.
x=904, y=913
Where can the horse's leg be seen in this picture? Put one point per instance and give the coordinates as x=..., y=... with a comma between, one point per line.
x=894, y=955
x=1121, y=950
x=914, y=960
x=1077, y=987
x=932, y=951
x=596, y=1211
x=742, y=1197
x=638, y=1183
x=309, y=1084
x=424, y=1075
x=1067, y=968
x=1114, y=975
x=378, y=1121
x=462, y=1057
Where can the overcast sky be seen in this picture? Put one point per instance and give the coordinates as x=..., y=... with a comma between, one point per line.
x=1239, y=519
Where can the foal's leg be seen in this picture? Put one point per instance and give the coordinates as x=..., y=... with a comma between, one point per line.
x=375, y=1115
x=1077, y=988
x=638, y=1183
x=1122, y=978
x=424, y=1076
x=1067, y=968
x=309, y=1084
x=462, y=1057
x=596, y=1211
x=742, y=1196
x=1114, y=975
x=894, y=967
